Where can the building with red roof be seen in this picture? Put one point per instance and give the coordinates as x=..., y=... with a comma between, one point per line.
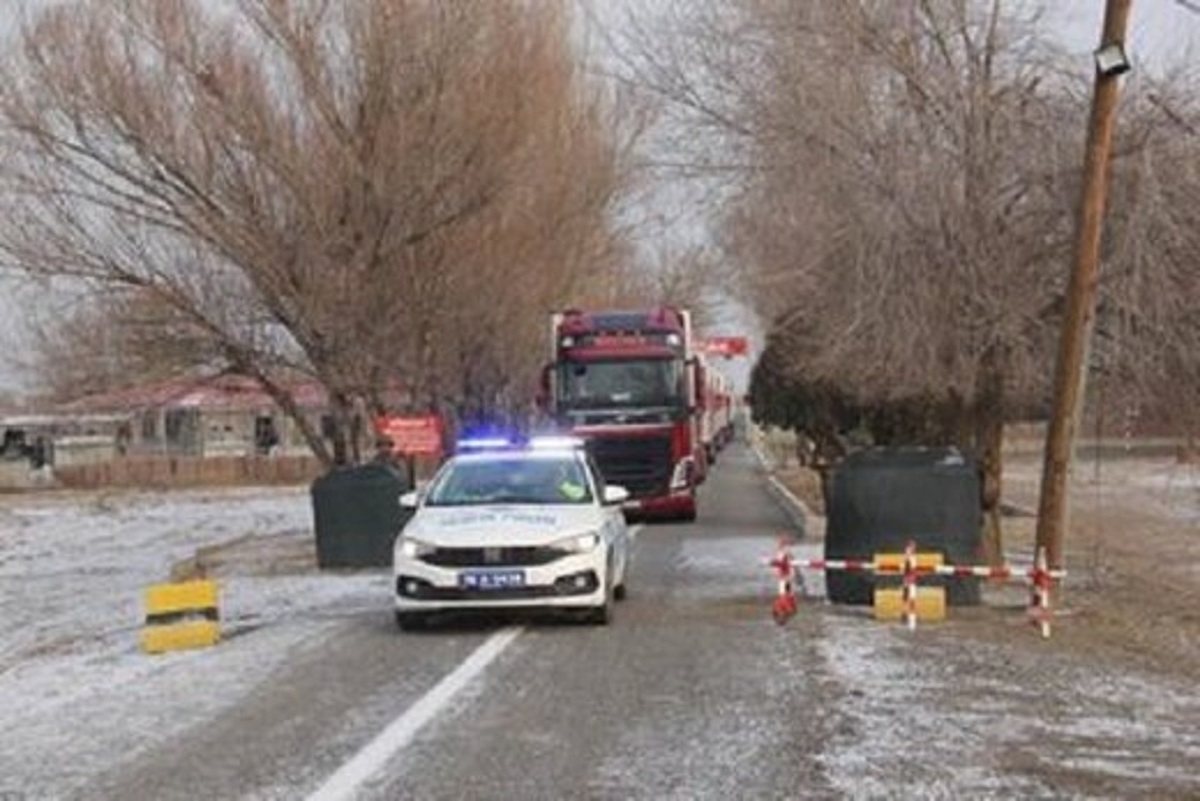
x=207, y=416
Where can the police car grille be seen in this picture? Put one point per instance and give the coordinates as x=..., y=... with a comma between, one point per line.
x=493, y=557
x=641, y=465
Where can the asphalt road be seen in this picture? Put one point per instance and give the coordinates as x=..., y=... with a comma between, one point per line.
x=692, y=693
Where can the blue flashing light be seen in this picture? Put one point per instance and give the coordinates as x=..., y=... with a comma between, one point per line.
x=482, y=444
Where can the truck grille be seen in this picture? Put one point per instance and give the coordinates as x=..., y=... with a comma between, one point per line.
x=641, y=465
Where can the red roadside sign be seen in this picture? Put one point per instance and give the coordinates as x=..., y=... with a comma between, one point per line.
x=412, y=436
x=724, y=346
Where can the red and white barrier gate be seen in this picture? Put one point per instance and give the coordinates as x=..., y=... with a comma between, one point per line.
x=1039, y=577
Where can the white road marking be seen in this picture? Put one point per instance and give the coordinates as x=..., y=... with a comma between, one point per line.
x=366, y=763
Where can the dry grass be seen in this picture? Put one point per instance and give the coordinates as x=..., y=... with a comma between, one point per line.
x=1132, y=599
x=806, y=484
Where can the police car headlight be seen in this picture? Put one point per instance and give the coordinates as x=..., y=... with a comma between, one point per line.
x=413, y=549
x=582, y=543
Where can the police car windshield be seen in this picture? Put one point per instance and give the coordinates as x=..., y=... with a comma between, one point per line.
x=520, y=479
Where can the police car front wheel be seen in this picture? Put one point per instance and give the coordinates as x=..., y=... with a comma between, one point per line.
x=602, y=615
x=410, y=621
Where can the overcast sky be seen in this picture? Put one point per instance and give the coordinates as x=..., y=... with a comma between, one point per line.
x=1161, y=32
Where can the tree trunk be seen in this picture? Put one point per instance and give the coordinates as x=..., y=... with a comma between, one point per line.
x=989, y=442
x=286, y=401
x=358, y=430
x=828, y=450
x=341, y=411
x=312, y=434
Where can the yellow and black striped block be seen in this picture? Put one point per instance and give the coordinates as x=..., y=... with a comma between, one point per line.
x=893, y=563
x=180, y=616
x=930, y=607
x=889, y=601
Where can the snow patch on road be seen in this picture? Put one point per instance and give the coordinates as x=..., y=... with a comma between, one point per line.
x=711, y=741
x=728, y=567
x=737, y=720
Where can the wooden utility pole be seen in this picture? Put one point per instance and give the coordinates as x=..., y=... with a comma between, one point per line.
x=1081, y=296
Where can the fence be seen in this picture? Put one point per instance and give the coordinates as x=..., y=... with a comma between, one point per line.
x=172, y=472
x=910, y=566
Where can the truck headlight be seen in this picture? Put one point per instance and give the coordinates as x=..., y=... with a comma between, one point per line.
x=581, y=543
x=413, y=549
x=683, y=475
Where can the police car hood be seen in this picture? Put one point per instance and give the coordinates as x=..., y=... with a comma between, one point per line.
x=533, y=525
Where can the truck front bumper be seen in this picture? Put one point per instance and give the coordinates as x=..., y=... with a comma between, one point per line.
x=674, y=506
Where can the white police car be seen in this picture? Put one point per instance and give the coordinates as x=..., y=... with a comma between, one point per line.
x=506, y=527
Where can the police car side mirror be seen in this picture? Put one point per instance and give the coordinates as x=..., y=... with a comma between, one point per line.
x=409, y=500
x=614, y=495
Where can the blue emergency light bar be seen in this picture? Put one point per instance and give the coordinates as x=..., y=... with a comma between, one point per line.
x=549, y=443
x=485, y=443
x=481, y=444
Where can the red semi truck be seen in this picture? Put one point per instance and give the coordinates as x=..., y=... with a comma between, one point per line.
x=629, y=383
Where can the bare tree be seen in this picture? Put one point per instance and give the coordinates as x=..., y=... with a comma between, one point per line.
x=894, y=214
x=905, y=182
x=323, y=187
x=1147, y=333
x=95, y=343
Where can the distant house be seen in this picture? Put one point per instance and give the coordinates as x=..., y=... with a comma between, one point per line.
x=40, y=440
x=225, y=415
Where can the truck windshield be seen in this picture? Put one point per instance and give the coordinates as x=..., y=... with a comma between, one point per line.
x=627, y=383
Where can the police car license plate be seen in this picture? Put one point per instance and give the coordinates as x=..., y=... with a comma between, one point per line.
x=491, y=579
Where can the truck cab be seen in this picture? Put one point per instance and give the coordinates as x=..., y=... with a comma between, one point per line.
x=626, y=382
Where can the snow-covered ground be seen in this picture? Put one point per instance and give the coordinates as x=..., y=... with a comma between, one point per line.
x=935, y=714
x=72, y=573
x=950, y=712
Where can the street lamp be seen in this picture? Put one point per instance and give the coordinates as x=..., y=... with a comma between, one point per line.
x=1111, y=60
